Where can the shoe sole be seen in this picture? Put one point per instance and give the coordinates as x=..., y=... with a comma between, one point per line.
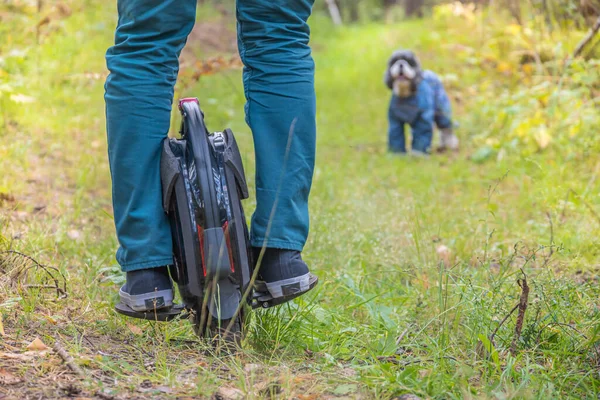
x=289, y=287
x=263, y=298
x=164, y=314
x=147, y=301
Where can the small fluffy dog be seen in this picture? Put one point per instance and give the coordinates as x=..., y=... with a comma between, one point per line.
x=418, y=99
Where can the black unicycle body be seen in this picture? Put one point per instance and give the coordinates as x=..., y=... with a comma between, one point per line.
x=203, y=184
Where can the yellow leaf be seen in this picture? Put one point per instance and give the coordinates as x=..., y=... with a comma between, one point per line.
x=543, y=99
x=85, y=361
x=542, y=137
x=136, y=330
x=37, y=345
x=21, y=98
x=504, y=67
x=528, y=69
x=2, y=327
x=573, y=131
x=513, y=29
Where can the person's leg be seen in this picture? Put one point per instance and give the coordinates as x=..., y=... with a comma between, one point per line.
x=143, y=67
x=273, y=40
x=396, y=136
x=281, y=108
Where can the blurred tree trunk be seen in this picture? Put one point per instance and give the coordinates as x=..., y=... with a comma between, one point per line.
x=334, y=11
x=547, y=15
x=588, y=38
x=388, y=3
x=413, y=8
x=590, y=10
x=353, y=10
x=514, y=7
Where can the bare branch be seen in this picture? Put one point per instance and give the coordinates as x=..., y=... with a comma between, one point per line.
x=521, y=316
x=588, y=38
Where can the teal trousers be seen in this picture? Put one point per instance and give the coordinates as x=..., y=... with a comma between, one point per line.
x=278, y=80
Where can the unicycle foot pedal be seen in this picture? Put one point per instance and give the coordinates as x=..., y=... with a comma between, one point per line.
x=263, y=299
x=163, y=314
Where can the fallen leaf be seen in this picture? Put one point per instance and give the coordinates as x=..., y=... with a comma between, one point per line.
x=37, y=345
x=6, y=197
x=482, y=154
x=225, y=393
x=7, y=378
x=542, y=137
x=303, y=378
x=444, y=253
x=504, y=68
x=495, y=267
x=64, y=10
x=248, y=368
x=2, y=327
x=348, y=372
x=528, y=69
x=21, y=98
x=308, y=396
x=345, y=389
x=22, y=214
x=145, y=386
x=74, y=234
x=85, y=361
x=44, y=21
x=39, y=208
x=136, y=330
x=164, y=389
x=268, y=389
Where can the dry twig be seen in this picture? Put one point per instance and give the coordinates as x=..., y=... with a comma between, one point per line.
x=521, y=316
x=67, y=359
x=53, y=274
x=502, y=323
x=547, y=258
x=402, y=335
x=588, y=38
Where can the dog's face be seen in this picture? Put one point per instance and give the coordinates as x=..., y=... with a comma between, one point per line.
x=401, y=69
x=405, y=71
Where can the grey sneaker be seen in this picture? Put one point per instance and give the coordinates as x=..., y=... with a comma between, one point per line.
x=283, y=272
x=147, y=289
x=419, y=154
x=448, y=140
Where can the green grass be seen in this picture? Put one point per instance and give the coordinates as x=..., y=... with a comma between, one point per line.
x=390, y=315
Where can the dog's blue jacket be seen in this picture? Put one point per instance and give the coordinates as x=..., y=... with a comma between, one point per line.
x=430, y=104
